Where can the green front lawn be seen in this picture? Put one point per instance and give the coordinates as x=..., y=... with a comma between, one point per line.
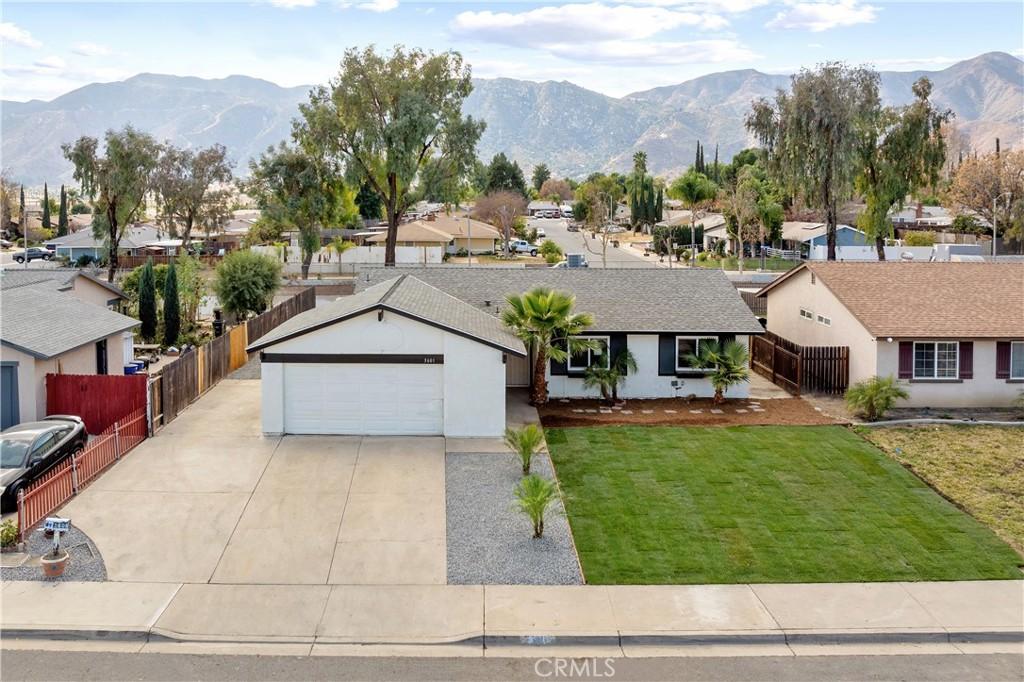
x=673, y=505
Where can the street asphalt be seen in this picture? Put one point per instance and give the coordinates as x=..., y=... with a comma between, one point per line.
x=68, y=665
x=580, y=242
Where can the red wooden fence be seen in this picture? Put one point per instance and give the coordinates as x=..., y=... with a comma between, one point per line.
x=65, y=480
x=99, y=400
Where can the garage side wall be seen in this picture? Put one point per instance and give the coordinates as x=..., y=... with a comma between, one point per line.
x=474, y=389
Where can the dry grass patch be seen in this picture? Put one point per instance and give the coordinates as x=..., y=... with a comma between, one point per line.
x=980, y=468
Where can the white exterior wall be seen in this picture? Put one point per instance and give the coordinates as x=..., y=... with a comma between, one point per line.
x=784, y=303
x=474, y=374
x=32, y=372
x=870, y=253
x=645, y=382
x=984, y=390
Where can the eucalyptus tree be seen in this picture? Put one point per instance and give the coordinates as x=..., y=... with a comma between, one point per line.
x=116, y=180
x=810, y=134
x=192, y=190
x=902, y=150
x=384, y=115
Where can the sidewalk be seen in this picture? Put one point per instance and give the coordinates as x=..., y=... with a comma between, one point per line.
x=514, y=616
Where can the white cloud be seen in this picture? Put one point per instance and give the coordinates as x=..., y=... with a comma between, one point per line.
x=712, y=6
x=51, y=63
x=822, y=16
x=292, y=4
x=378, y=5
x=655, y=52
x=11, y=33
x=577, y=23
x=90, y=50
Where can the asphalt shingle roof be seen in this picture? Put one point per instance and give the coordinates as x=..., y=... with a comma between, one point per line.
x=405, y=295
x=981, y=300
x=46, y=323
x=60, y=279
x=621, y=300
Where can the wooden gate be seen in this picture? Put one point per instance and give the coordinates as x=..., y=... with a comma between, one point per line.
x=796, y=368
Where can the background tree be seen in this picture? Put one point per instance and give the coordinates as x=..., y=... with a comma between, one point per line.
x=383, y=115
x=62, y=215
x=810, y=135
x=645, y=198
x=901, y=151
x=192, y=190
x=172, y=307
x=740, y=203
x=368, y=202
x=7, y=200
x=992, y=187
x=696, y=191
x=147, y=301
x=22, y=223
x=45, y=203
x=245, y=282
x=440, y=184
x=504, y=175
x=297, y=192
x=501, y=210
x=596, y=200
x=541, y=174
x=554, y=187
x=117, y=182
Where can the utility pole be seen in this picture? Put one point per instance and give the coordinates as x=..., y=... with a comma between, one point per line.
x=469, y=230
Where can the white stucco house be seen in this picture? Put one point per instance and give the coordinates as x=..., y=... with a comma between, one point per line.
x=951, y=333
x=47, y=330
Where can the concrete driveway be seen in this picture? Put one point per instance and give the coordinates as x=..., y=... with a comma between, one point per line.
x=209, y=499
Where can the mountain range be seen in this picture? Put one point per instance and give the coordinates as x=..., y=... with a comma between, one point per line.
x=573, y=130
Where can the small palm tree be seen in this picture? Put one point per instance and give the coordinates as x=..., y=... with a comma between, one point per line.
x=728, y=363
x=543, y=319
x=525, y=442
x=533, y=497
x=873, y=397
x=608, y=380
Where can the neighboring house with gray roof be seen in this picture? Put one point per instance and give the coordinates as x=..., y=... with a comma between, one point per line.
x=81, y=284
x=658, y=315
x=400, y=357
x=134, y=242
x=48, y=329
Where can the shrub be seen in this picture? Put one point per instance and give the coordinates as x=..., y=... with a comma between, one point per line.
x=702, y=256
x=462, y=253
x=246, y=281
x=548, y=247
x=873, y=397
x=533, y=497
x=85, y=260
x=552, y=258
x=919, y=238
x=525, y=442
x=8, y=533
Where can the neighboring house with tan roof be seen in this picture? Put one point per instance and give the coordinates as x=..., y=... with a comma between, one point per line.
x=465, y=231
x=952, y=333
x=416, y=233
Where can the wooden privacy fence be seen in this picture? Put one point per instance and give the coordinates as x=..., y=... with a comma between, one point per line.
x=758, y=306
x=796, y=368
x=66, y=479
x=199, y=370
x=99, y=400
x=129, y=262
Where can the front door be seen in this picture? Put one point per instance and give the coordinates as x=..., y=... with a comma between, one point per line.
x=9, y=414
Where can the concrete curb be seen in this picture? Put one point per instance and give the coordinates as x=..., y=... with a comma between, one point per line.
x=948, y=422
x=542, y=641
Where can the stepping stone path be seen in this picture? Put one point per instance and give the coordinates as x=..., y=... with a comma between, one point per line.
x=606, y=411
x=741, y=411
x=577, y=411
x=591, y=411
x=716, y=412
x=696, y=411
x=563, y=400
x=670, y=411
x=647, y=411
x=758, y=409
x=627, y=412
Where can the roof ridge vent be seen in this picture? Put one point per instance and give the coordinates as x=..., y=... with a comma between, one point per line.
x=391, y=290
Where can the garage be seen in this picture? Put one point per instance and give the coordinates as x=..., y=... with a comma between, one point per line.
x=364, y=399
x=398, y=358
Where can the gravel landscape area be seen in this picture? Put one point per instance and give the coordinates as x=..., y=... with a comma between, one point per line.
x=489, y=541
x=85, y=564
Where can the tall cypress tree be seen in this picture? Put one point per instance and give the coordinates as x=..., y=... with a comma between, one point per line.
x=22, y=223
x=172, y=313
x=62, y=218
x=46, y=207
x=696, y=158
x=147, y=301
x=714, y=171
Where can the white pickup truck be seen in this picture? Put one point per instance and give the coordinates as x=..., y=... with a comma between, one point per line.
x=522, y=246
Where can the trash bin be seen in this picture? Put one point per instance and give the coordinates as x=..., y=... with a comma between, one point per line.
x=615, y=243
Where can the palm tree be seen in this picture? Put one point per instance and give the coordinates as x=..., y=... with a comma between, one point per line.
x=525, y=442
x=340, y=245
x=608, y=380
x=874, y=397
x=727, y=362
x=533, y=497
x=543, y=319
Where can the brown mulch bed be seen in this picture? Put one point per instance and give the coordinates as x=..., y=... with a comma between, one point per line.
x=659, y=411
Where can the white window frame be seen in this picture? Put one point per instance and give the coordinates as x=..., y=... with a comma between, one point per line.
x=696, y=349
x=935, y=366
x=590, y=354
x=1017, y=346
x=806, y=314
x=824, y=321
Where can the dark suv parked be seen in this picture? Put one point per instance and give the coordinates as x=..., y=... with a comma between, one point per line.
x=29, y=450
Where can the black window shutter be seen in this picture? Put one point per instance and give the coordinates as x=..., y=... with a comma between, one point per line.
x=966, y=359
x=616, y=345
x=1003, y=349
x=906, y=360
x=559, y=369
x=666, y=354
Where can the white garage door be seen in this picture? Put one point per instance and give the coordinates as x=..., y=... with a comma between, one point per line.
x=364, y=399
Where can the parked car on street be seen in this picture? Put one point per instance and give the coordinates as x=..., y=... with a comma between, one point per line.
x=522, y=246
x=541, y=234
x=4, y=244
x=29, y=450
x=31, y=254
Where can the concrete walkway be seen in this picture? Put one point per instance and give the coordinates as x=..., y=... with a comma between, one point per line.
x=816, y=614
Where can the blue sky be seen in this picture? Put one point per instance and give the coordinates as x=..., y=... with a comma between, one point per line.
x=50, y=48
